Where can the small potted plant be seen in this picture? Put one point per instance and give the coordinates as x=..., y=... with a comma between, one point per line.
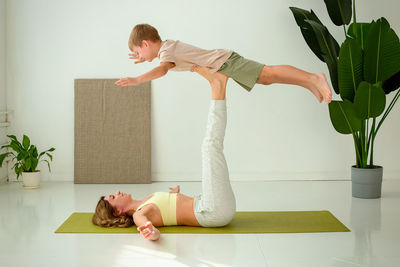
x=364, y=69
x=27, y=159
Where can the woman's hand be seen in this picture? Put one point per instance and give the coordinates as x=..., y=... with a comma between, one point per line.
x=127, y=81
x=136, y=56
x=175, y=190
x=148, y=231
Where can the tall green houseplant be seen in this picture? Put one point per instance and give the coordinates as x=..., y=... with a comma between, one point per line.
x=363, y=70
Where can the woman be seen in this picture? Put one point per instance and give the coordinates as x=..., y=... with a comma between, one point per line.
x=215, y=207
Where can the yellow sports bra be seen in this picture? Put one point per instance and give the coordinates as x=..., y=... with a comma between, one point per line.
x=166, y=202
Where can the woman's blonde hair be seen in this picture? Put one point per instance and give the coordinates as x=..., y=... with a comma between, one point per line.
x=104, y=216
x=142, y=32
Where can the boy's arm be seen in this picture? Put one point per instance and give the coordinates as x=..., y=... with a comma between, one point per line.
x=146, y=228
x=157, y=72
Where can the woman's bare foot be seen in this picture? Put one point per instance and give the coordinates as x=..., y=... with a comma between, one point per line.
x=217, y=81
x=321, y=88
x=203, y=71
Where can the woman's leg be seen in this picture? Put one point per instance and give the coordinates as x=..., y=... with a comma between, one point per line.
x=217, y=205
x=315, y=82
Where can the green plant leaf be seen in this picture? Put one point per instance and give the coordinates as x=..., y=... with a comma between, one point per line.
x=391, y=84
x=18, y=171
x=370, y=100
x=34, y=152
x=34, y=163
x=2, y=157
x=382, y=52
x=26, y=142
x=344, y=117
x=362, y=32
x=306, y=30
x=48, y=164
x=50, y=156
x=41, y=154
x=330, y=50
x=13, y=137
x=28, y=163
x=349, y=68
x=16, y=146
x=5, y=146
x=339, y=11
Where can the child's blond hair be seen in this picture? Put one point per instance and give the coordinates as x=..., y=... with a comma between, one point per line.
x=142, y=32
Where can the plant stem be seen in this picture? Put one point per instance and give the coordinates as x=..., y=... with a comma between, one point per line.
x=371, y=162
x=358, y=159
x=388, y=110
x=362, y=132
x=369, y=138
x=373, y=133
x=354, y=18
x=366, y=144
x=344, y=28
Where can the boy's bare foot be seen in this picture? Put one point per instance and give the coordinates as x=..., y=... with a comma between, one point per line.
x=321, y=88
x=317, y=94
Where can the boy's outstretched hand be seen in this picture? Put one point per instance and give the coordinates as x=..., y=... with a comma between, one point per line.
x=135, y=56
x=128, y=81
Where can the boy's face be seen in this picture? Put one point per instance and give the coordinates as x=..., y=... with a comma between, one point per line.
x=147, y=51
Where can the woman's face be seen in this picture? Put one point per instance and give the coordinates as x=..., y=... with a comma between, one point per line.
x=119, y=201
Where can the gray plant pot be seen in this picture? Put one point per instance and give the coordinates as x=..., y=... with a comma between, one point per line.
x=366, y=182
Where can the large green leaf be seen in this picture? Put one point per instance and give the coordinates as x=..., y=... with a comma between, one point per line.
x=391, y=84
x=329, y=49
x=362, y=32
x=28, y=163
x=306, y=30
x=13, y=137
x=2, y=157
x=370, y=100
x=339, y=11
x=16, y=146
x=26, y=142
x=34, y=163
x=344, y=117
x=382, y=52
x=349, y=68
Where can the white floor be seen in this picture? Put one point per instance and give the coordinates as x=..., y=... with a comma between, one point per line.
x=28, y=219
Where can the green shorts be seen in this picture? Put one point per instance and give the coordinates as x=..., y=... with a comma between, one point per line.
x=242, y=70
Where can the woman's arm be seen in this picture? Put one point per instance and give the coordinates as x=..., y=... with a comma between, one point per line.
x=146, y=227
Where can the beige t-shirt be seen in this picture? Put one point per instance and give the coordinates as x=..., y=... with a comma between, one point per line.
x=185, y=56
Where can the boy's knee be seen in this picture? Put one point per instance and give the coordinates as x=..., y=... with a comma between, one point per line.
x=266, y=76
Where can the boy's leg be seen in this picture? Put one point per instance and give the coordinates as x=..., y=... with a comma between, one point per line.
x=315, y=82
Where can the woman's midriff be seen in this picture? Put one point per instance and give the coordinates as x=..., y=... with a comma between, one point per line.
x=184, y=210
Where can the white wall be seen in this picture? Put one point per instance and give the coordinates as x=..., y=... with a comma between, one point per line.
x=3, y=130
x=274, y=132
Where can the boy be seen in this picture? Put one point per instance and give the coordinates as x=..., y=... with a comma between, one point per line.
x=215, y=65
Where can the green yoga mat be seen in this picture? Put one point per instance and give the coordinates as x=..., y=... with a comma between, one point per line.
x=243, y=222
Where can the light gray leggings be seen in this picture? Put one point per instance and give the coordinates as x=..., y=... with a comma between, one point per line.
x=216, y=206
